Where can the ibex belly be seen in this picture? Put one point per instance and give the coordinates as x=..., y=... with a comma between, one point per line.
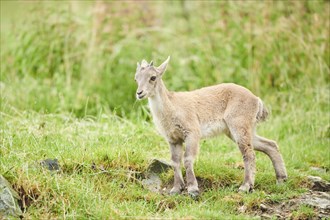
x=213, y=128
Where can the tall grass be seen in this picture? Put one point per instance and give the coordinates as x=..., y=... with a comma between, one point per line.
x=62, y=59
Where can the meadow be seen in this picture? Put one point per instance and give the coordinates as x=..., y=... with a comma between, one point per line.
x=68, y=92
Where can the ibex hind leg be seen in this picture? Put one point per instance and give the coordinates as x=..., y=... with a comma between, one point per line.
x=242, y=135
x=271, y=149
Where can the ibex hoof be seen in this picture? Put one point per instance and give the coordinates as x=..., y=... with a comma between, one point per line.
x=281, y=180
x=175, y=191
x=245, y=188
x=194, y=194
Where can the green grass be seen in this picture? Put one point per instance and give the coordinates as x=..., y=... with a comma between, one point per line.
x=124, y=150
x=67, y=92
x=304, y=212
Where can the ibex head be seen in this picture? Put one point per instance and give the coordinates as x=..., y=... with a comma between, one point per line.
x=147, y=77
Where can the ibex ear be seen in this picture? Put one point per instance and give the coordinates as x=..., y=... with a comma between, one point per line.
x=144, y=63
x=161, y=69
x=151, y=63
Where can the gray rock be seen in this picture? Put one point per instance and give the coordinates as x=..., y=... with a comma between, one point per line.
x=50, y=164
x=152, y=180
x=158, y=166
x=320, y=200
x=9, y=207
x=318, y=184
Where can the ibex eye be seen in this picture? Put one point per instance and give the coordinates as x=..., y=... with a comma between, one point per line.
x=153, y=78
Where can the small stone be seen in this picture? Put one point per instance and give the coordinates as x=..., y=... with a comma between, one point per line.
x=93, y=167
x=102, y=168
x=266, y=216
x=242, y=209
x=50, y=164
x=278, y=216
x=263, y=207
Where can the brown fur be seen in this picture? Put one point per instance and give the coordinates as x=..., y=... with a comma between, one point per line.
x=187, y=117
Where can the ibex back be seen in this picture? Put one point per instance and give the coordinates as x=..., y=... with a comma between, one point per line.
x=187, y=117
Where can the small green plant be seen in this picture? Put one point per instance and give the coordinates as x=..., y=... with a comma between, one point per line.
x=303, y=212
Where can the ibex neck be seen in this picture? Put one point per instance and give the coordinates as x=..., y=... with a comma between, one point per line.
x=160, y=101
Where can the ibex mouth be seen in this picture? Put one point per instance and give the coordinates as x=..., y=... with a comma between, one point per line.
x=141, y=96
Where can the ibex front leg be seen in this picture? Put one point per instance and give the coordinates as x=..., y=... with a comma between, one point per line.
x=192, y=145
x=176, y=154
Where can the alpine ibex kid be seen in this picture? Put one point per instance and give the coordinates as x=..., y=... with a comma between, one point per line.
x=186, y=117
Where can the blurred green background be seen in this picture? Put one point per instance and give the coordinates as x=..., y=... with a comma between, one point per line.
x=80, y=57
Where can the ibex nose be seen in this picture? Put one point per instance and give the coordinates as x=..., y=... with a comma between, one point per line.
x=139, y=93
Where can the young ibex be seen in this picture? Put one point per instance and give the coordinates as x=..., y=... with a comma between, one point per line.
x=186, y=117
